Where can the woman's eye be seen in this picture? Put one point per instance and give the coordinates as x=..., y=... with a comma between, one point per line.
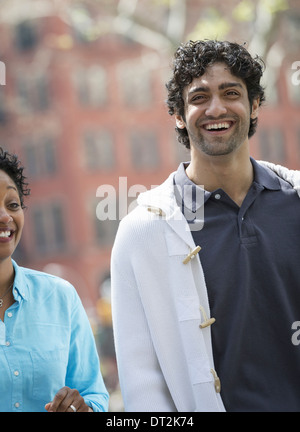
x=14, y=206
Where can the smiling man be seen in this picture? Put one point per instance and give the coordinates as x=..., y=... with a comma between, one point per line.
x=217, y=114
x=203, y=305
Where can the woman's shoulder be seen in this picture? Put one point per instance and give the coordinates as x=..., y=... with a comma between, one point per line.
x=43, y=282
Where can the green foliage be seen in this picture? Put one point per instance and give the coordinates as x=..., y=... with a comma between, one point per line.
x=212, y=25
x=274, y=6
x=244, y=11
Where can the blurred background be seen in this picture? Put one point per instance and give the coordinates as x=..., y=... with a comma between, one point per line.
x=82, y=102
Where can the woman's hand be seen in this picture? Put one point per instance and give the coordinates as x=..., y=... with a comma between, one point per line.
x=68, y=400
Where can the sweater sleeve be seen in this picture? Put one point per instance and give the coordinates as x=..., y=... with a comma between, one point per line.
x=141, y=380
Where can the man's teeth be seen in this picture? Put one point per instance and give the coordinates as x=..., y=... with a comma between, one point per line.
x=217, y=126
x=5, y=233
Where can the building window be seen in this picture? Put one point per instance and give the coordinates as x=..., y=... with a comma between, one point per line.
x=144, y=150
x=99, y=150
x=49, y=228
x=271, y=144
x=40, y=157
x=91, y=86
x=182, y=154
x=135, y=84
x=105, y=216
x=3, y=111
x=26, y=36
x=33, y=92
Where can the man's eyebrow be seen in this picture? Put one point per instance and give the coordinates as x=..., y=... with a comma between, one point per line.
x=226, y=85
x=198, y=89
x=222, y=86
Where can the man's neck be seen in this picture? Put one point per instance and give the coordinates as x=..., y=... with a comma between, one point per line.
x=233, y=173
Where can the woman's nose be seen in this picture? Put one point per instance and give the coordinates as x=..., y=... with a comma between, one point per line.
x=5, y=217
x=216, y=108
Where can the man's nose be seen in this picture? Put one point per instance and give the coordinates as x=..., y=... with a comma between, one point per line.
x=216, y=108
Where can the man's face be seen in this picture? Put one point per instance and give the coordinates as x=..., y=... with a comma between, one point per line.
x=217, y=111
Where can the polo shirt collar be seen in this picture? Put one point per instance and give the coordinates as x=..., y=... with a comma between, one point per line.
x=184, y=186
x=265, y=176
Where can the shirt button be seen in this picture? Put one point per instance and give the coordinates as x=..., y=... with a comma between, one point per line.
x=9, y=314
x=7, y=343
x=16, y=373
x=217, y=196
x=17, y=404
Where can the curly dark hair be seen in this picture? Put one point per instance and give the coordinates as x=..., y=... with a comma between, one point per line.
x=10, y=164
x=191, y=61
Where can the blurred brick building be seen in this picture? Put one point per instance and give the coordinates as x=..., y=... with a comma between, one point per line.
x=86, y=114
x=89, y=122
x=80, y=116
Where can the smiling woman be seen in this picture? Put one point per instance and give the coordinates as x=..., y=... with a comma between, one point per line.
x=13, y=189
x=48, y=356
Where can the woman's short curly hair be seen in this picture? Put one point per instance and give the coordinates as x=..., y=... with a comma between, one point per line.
x=191, y=61
x=10, y=164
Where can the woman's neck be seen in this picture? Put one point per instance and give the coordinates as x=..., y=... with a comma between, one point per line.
x=7, y=275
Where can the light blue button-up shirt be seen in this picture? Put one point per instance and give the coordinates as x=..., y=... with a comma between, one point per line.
x=46, y=343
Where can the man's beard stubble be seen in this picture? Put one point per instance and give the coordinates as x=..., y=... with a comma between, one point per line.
x=221, y=145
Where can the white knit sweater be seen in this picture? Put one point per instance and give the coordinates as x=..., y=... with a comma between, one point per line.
x=164, y=357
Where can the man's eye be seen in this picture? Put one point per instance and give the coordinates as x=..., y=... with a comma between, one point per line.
x=198, y=98
x=232, y=93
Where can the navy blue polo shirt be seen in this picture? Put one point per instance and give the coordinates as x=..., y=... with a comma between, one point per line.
x=251, y=261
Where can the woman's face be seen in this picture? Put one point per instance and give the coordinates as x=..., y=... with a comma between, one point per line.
x=11, y=216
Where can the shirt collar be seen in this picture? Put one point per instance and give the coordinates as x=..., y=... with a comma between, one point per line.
x=265, y=177
x=20, y=290
x=186, y=190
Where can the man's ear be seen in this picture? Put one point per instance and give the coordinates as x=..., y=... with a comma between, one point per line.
x=179, y=121
x=255, y=107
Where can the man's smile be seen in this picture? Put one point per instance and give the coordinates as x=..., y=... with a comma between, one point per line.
x=218, y=128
